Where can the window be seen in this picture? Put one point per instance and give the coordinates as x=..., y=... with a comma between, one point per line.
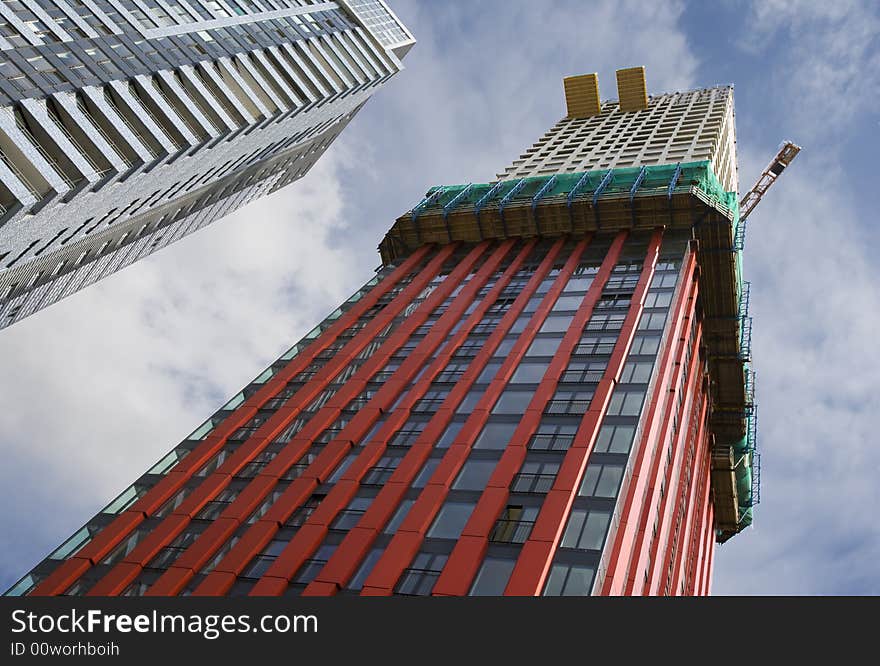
x=535, y=478
x=492, y=577
x=357, y=582
x=419, y=578
x=567, y=303
x=514, y=525
x=379, y=473
x=569, y=581
x=470, y=401
x=635, y=372
x=615, y=439
x=350, y=516
x=505, y=347
x=261, y=563
x=474, y=475
x=301, y=515
x=427, y=471
x=656, y=299
x=569, y=402
x=652, y=321
x=556, y=325
x=431, y=401
x=451, y=520
x=586, y=529
x=398, y=516
x=605, y=322
x=313, y=566
x=553, y=437
x=489, y=372
x=495, y=435
x=513, y=401
x=626, y=403
x=580, y=371
x=449, y=435
x=520, y=324
x=664, y=280
x=601, y=481
x=529, y=372
x=591, y=345
x=645, y=345
x=544, y=346
x=407, y=435
x=340, y=470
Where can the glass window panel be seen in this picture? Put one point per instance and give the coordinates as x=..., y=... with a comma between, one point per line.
x=567, y=303
x=556, y=324
x=609, y=482
x=489, y=372
x=529, y=372
x=474, y=475
x=495, y=435
x=578, y=583
x=427, y=470
x=398, y=516
x=505, y=346
x=544, y=346
x=451, y=520
x=470, y=401
x=513, y=402
x=591, y=476
x=449, y=435
x=569, y=581
x=492, y=577
x=369, y=562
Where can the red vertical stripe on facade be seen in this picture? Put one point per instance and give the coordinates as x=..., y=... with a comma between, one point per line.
x=345, y=561
x=663, y=545
x=293, y=557
x=535, y=559
x=406, y=542
x=618, y=546
x=684, y=547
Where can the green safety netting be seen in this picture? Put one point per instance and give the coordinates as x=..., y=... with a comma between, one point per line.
x=654, y=179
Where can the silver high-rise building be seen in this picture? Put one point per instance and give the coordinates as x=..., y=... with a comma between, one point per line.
x=128, y=124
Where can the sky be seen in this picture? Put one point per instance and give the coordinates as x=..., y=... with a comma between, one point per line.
x=98, y=387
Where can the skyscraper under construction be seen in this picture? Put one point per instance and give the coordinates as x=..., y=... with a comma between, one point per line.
x=545, y=390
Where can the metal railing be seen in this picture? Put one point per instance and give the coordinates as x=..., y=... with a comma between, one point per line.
x=67, y=135
x=196, y=135
x=125, y=121
x=18, y=174
x=511, y=531
x=532, y=484
x=417, y=582
x=102, y=133
x=132, y=89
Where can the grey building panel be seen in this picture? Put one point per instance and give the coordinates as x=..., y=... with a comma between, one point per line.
x=206, y=97
x=76, y=18
x=7, y=13
x=133, y=123
x=135, y=107
x=183, y=97
x=37, y=110
x=295, y=56
x=40, y=167
x=147, y=87
x=41, y=14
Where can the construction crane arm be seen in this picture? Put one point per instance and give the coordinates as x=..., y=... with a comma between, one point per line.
x=753, y=197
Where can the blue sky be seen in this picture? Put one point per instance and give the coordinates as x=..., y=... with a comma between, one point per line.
x=98, y=387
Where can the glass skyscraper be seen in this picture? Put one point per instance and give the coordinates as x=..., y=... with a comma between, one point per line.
x=126, y=125
x=545, y=390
